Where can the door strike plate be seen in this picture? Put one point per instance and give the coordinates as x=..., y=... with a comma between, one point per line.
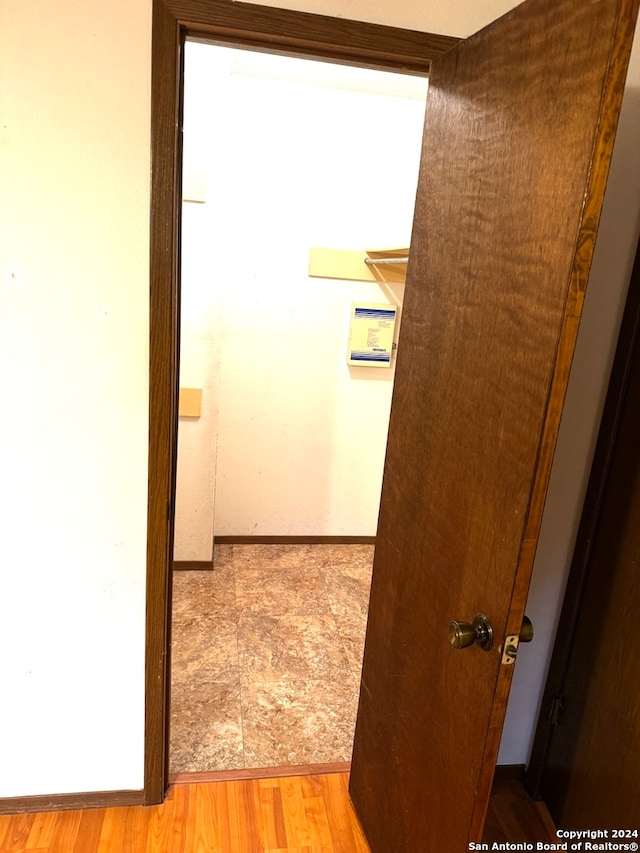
x=510, y=649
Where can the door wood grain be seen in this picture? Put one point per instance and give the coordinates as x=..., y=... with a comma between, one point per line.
x=518, y=138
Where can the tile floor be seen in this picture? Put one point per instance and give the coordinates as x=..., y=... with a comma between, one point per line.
x=267, y=651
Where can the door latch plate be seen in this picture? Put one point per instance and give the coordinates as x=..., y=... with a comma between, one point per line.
x=510, y=649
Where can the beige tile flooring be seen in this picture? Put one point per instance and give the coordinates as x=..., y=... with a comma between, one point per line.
x=266, y=656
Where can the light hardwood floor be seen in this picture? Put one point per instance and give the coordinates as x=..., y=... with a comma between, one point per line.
x=303, y=814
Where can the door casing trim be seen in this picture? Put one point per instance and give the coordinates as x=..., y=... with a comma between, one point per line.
x=270, y=30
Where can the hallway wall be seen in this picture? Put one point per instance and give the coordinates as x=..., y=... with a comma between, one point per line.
x=74, y=294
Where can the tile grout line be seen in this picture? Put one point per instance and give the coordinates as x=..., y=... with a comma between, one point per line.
x=244, y=686
x=307, y=563
x=356, y=677
x=240, y=693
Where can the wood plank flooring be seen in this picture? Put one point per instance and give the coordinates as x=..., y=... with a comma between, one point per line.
x=513, y=816
x=303, y=814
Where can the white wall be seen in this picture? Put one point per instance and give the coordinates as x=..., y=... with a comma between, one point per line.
x=73, y=201
x=74, y=196
x=296, y=154
x=200, y=348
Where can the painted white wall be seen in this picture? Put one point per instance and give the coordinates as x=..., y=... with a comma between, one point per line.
x=439, y=16
x=296, y=154
x=74, y=197
x=74, y=187
x=200, y=346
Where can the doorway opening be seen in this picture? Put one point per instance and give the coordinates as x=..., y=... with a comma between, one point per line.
x=281, y=464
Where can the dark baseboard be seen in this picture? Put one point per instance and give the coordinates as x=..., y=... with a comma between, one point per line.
x=259, y=773
x=60, y=802
x=294, y=540
x=509, y=771
x=207, y=565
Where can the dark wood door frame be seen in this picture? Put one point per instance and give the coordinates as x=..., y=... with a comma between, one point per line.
x=628, y=343
x=267, y=29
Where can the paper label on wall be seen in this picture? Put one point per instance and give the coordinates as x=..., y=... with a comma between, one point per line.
x=371, y=334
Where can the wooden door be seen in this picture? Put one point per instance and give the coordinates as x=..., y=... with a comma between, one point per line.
x=518, y=137
x=591, y=751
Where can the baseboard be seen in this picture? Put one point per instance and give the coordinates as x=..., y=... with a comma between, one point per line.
x=294, y=540
x=193, y=565
x=259, y=773
x=60, y=802
x=509, y=771
x=207, y=565
x=107, y=799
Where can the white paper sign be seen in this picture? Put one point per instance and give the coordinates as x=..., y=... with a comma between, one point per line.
x=371, y=334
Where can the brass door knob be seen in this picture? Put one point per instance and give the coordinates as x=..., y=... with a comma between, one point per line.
x=463, y=634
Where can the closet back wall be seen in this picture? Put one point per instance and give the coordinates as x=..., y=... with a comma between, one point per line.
x=287, y=154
